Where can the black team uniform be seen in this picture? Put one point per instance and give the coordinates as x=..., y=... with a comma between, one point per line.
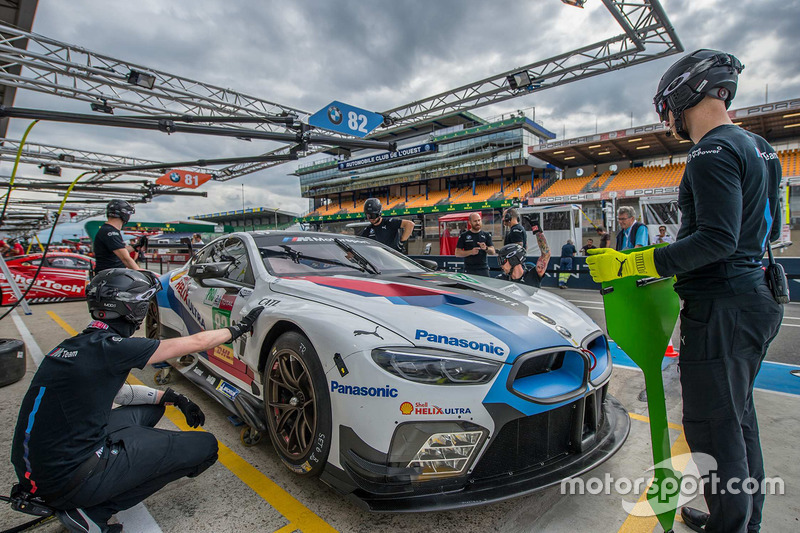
x=387, y=232
x=729, y=204
x=530, y=277
x=516, y=234
x=107, y=240
x=475, y=264
x=73, y=450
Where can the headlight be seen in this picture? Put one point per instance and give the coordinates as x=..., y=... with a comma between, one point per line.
x=435, y=368
x=436, y=449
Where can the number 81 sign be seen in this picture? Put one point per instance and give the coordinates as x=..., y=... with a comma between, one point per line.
x=183, y=178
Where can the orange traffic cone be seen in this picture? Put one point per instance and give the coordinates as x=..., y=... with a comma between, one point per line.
x=671, y=352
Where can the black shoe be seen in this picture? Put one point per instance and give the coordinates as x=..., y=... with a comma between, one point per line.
x=77, y=521
x=696, y=520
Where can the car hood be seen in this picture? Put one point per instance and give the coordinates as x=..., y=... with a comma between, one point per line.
x=478, y=316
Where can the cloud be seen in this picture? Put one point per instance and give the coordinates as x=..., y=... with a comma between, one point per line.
x=379, y=55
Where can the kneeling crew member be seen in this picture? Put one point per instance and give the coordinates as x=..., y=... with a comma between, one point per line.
x=109, y=249
x=393, y=232
x=85, y=459
x=512, y=261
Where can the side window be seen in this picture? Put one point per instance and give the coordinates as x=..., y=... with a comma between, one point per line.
x=235, y=251
x=205, y=255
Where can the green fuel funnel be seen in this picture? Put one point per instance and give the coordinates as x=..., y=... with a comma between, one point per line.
x=640, y=316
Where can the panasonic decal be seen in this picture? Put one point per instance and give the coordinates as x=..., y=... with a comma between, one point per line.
x=489, y=347
x=355, y=390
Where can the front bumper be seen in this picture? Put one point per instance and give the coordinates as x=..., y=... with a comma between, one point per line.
x=516, y=464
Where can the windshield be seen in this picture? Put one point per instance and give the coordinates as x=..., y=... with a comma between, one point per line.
x=322, y=256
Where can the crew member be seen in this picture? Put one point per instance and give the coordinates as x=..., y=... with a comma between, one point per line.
x=511, y=258
x=109, y=249
x=728, y=198
x=393, y=232
x=85, y=459
x=197, y=240
x=565, y=263
x=516, y=231
x=588, y=246
x=632, y=233
x=4, y=247
x=474, y=245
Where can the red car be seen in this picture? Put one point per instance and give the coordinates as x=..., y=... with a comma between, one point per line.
x=63, y=277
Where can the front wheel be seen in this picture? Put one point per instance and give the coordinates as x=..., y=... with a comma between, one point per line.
x=152, y=321
x=297, y=404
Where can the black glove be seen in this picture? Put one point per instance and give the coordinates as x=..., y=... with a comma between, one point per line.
x=245, y=325
x=194, y=415
x=535, y=229
x=404, y=247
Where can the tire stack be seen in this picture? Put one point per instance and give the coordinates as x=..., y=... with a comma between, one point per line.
x=12, y=361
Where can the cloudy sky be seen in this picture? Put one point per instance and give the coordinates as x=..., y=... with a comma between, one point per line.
x=380, y=54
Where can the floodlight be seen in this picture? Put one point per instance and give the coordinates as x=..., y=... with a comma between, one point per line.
x=519, y=80
x=67, y=158
x=51, y=170
x=102, y=107
x=141, y=79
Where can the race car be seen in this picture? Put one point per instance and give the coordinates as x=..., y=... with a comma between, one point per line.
x=405, y=388
x=62, y=277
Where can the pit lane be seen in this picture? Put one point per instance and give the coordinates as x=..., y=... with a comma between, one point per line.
x=249, y=489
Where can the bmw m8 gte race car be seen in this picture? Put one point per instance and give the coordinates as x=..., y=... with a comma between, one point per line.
x=405, y=388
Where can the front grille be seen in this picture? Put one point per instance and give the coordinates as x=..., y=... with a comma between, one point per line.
x=534, y=441
x=539, y=365
x=528, y=442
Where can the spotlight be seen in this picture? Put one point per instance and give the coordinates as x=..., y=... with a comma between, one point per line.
x=519, y=80
x=67, y=158
x=102, y=107
x=51, y=170
x=142, y=79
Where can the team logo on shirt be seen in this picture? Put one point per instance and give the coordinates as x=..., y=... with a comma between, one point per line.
x=700, y=151
x=61, y=353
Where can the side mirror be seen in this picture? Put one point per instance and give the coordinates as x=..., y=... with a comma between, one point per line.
x=202, y=271
x=428, y=263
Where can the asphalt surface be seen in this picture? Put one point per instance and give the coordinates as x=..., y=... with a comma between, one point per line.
x=250, y=490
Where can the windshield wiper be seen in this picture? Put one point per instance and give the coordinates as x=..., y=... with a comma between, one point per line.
x=360, y=259
x=296, y=256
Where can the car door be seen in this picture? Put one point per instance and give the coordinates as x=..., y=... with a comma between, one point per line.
x=224, y=305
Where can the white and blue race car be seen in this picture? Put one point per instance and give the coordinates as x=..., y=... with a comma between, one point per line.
x=405, y=388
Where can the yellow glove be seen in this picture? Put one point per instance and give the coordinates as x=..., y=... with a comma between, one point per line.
x=606, y=264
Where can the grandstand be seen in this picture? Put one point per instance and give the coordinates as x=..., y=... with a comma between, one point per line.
x=475, y=164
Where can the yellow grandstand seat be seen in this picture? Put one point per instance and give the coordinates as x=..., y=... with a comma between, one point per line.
x=568, y=186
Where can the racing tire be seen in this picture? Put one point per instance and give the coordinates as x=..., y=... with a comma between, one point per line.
x=297, y=404
x=152, y=321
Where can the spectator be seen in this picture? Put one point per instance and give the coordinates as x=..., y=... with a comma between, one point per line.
x=197, y=240
x=568, y=251
x=473, y=245
x=588, y=246
x=663, y=236
x=605, y=238
x=4, y=247
x=631, y=234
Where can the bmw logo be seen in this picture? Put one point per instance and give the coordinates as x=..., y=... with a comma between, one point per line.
x=174, y=177
x=335, y=114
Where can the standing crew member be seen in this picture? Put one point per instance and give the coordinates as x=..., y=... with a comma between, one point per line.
x=473, y=245
x=393, y=232
x=663, y=236
x=568, y=252
x=516, y=231
x=109, y=249
x=632, y=234
x=512, y=262
x=728, y=198
x=85, y=459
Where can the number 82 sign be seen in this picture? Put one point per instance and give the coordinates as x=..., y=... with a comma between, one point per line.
x=344, y=118
x=183, y=178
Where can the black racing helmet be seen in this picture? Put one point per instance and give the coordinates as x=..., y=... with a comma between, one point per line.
x=691, y=78
x=121, y=293
x=514, y=254
x=372, y=208
x=120, y=209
